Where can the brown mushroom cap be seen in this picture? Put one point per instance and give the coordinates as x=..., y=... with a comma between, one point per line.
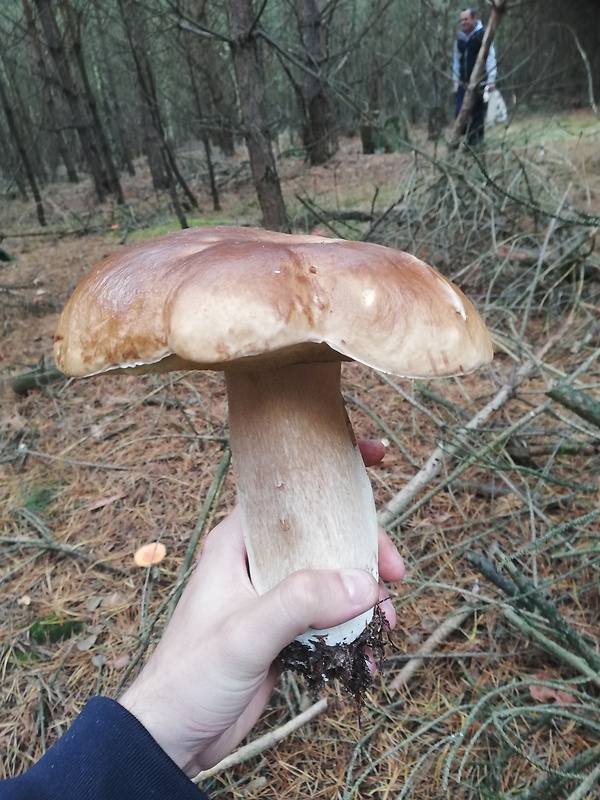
x=225, y=297
x=149, y=554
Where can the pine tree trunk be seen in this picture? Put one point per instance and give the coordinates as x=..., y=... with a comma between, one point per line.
x=81, y=118
x=250, y=91
x=18, y=140
x=320, y=138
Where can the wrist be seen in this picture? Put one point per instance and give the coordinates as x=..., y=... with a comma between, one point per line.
x=143, y=706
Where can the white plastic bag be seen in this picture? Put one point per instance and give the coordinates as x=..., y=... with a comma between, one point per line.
x=496, y=112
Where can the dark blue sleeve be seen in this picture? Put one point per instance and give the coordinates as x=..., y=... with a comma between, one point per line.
x=106, y=754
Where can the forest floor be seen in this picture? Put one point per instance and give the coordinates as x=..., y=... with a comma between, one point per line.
x=508, y=703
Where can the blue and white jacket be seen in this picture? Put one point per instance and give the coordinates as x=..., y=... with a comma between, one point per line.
x=466, y=49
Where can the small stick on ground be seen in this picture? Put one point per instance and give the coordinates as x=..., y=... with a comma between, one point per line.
x=440, y=634
x=265, y=742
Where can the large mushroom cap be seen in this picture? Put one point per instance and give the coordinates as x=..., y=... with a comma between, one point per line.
x=225, y=297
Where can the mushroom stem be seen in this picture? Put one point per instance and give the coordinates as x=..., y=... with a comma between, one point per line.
x=305, y=497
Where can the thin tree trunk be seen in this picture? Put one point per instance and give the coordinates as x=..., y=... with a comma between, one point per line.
x=214, y=70
x=10, y=168
x=81, y=117
x=370, y=134
x=152, y=115
x=437, y=14
x=250, y=92
x=113, y=103
x=18, y=140
x=53, y=114
x=320, y=138
x=114, y=183
x=151, y=134
x=214, y=191
x=191, y=50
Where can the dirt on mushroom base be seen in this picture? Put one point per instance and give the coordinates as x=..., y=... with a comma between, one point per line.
x=351, y=664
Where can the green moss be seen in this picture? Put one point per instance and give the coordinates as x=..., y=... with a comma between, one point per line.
x=53, y=628
x=173, y=225
x=37, y=498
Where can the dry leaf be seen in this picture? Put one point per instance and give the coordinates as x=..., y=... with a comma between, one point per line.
x=122, y=661
x=546, y=694
x=87, y=643
x=113, y=600
x=92, y=602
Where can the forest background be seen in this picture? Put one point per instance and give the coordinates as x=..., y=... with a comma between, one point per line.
x=120, y=120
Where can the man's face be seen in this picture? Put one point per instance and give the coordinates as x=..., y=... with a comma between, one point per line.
x=467, y=22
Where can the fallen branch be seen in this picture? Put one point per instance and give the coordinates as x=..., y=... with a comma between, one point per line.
x=167, y=606
x=440, y=634
x=436, y=460
x=577, y=402
x=204, y=521
x=485, y=567
x=528, y=627
x=557, y=622
x=263, y=743
x=552, y=785
x=45, y=373
x=48, y=542
x=586, y=785
x=475, y=457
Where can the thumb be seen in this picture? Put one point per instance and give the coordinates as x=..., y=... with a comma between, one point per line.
x=305, y=599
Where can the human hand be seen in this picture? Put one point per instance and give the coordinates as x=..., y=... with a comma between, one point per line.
x=211, y=675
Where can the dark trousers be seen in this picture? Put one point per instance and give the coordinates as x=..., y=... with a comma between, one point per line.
x=475, y=125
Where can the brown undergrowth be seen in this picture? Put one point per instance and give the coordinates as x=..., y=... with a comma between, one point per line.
x=92, y=469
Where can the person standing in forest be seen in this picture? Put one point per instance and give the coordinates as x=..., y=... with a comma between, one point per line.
x=466, y=50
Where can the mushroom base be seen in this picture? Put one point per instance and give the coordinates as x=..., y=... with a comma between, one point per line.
x=318, y=663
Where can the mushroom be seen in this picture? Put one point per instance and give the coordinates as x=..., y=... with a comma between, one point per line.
x=149, y=554
x=278, y=313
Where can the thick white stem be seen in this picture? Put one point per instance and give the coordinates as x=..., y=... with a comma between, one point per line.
x=304, y=494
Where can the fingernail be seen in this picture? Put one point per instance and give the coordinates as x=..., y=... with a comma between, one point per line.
x=359, y=585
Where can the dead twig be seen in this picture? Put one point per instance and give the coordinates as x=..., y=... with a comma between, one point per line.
x=551, y=786
x=43, y=374
x=204, y=521
x=170, y=601
x=528, y=627
x=485, y=567
x=577, y=402
x=265, y=742
x=440, y=634
x=436, y=460
x=559, y=624
x=47, y=542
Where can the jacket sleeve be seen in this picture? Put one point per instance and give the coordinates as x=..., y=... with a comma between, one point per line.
x=106, y=754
